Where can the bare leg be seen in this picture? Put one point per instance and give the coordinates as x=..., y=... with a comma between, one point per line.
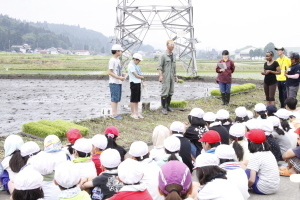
x=136, y=108
x=272, y=102
x=132, y=108
x=267, y=103
x=11, y=187
x=114, y=107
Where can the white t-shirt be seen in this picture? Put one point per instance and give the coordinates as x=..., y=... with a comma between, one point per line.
x=58, y=157
x=51, y=191
x=219, y=189
x=5, y=165
x=115, y=65
x=283, y=141
x=265, y=164
x=157, y=153
x=87, y=169
x=292, y=137
x=296, y=114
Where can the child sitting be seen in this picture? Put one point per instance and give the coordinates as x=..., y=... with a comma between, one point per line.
x=262, y=170
x=240, y=145
x=223, y=117
x=210, y=120
x=72, y=135
x=67, y=176
x=260, y=111
x=241, y=114
x=210, y=140
x=99, y=144
x=112, y=133
x=131, y=173
x=53, y=146
x=160, y=133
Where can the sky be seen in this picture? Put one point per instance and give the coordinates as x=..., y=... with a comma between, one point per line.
x=218, y=24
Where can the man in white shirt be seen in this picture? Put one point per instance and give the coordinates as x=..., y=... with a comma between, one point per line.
x=290, y=104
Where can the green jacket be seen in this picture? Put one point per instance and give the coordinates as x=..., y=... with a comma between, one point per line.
x=167, y=67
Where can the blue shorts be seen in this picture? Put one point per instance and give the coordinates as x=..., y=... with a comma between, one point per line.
x=254, y=186
x=115, y=92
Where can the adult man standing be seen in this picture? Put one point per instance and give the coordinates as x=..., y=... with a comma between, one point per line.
x=284, y=63
x=167, y=75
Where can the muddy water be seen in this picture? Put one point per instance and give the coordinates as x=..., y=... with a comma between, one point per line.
x=25, y=100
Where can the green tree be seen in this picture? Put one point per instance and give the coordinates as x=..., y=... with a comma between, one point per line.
x=251, y=53
x=269, y=47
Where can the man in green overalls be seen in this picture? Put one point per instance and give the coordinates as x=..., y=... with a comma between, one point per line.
x=167, y=75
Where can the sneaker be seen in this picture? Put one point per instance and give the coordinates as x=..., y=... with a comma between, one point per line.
x=134, y=116
x=118, y=117
x=140, y=116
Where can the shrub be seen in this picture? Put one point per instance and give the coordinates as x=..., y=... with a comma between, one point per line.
x=235, y=89
x=64, y=126
x=178, y=104
x=180, y=81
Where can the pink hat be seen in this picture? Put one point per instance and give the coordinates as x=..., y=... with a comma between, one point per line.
x=174, y=172
x=73, y=134
x=111, y=131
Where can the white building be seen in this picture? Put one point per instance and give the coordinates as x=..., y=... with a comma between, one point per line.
x=243, y=53
x=82, y=52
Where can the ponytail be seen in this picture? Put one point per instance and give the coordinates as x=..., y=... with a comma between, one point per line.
x=279, y=130
x=285, y=125
x=111, y=141
x=262, y=114
x=16, y=161
x=239, y=151
x=174, y=192
x=172, y=156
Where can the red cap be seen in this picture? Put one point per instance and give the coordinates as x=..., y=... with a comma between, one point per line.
x=256, y=135
x=111, y=131
x=297, y=130
x=73, y=134
x=211, y=137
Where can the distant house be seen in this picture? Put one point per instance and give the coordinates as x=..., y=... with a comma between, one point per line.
x=52, y=50
x=82, y=52
x=25, y=48
x=43, y=51
x=63, y=51
x=243, y=53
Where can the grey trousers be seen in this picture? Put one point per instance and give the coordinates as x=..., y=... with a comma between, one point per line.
x=292, y=91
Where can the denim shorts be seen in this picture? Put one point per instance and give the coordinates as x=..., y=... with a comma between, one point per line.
x=115, y=92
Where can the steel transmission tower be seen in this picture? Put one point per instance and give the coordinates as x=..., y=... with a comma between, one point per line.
x=134, y=21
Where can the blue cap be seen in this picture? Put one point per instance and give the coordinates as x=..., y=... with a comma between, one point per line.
x=271, y=109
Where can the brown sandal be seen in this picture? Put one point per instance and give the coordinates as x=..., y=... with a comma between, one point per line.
x=284, y=171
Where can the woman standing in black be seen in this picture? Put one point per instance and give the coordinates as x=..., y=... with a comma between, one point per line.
x=271, y=68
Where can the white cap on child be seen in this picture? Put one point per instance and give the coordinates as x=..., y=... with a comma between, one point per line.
x=222, y=114
x=237, y=130
x=172, y=143
x=117, y=47
x=260, y=107
x=225, y=151
x=282, y=113
x=83, y=145
x=110, y=158
x=12, y=143
x=275, y=120
x=99, y=141
x=138, y=149
x=206, y=159
x=197, y=112
x=52, y=144
x=67, y=174
x=43, y=163
x=28, y=179
x=250, y=114
x=266, y=126
x=29, y=148
x=177, y=127
x=209, y=117
x=130, y=171
x=252, y=124
x=241, y=111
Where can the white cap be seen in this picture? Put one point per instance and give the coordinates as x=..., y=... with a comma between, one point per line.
x=52, y=144
x=222, y=114
x=117, y=47
x=43, y=163
x=99, y=141
x=250, y=114
x=260, y=107
x=137, y=56
x=67, y=174
x=29, y=148
x=28, y=179
x=237, y=130
x=177, y=127
x=207, y=159
x=12, y=143
x=110, y=158
x=275, y=121
x=225, y=151
x=295, y=178
x=266, y=126
x=197, y=112
x=130, y=171
x=172, y=143
x=252, y=124
x=83, y=145
x=160, y=133
x=209, y=117
x=241, y=111
x=282, y=113
x=138, y=149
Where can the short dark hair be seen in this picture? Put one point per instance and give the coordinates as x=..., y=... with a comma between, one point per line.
x=196, y=121
x=262, y=114
x=141, y=159
x=291, y=102
x=223, y=121
x=27, y=194
x=222, y=160
x=213, y=145
x=225, y=52
x=241, y=119
x=113, y=51
x=208, y=173
x=256, y=147
x=82, y=154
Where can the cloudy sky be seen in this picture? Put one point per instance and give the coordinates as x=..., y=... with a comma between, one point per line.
x=219, y=24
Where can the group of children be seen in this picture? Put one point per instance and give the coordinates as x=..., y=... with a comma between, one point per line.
x=230, y=155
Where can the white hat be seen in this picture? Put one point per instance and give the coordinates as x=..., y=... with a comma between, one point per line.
x=83, y=145
x=99, y=141
x=43, y=163
x=209, y=117
x=237, y=130
x=295, y=178
x=250, y=114
x=282, y=113
x=207, y=159
x=110, y=158
x=177, y=127
x=130, y=171
x=222, y=114
x=137, y=56
x=138, y=149
x=52, y=144
x=225, y=151
x=117, y=47
x=266, y=126
x=197, y=112
x=12, y=143
x=67, y=174
x=241, y=111
x=275, y=121
x=252, y=124
x=28, y=179
x=172, y=143
x=29, y=148
x=260, y=107
x=160, y=133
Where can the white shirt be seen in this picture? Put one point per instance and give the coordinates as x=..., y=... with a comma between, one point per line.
x=51, y=191
x=296, y=114
x=115, y=65
x=87, y=169
x=219, y=189
x=157, y=153
x=265, y=164
x=5, y=165
x=283, y=141
x=58, y=157
x=292, y=137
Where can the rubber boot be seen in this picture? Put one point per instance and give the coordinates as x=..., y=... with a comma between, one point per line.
x=163, y=105
x=168, y=104
x=227, y=98
x=223, y=99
